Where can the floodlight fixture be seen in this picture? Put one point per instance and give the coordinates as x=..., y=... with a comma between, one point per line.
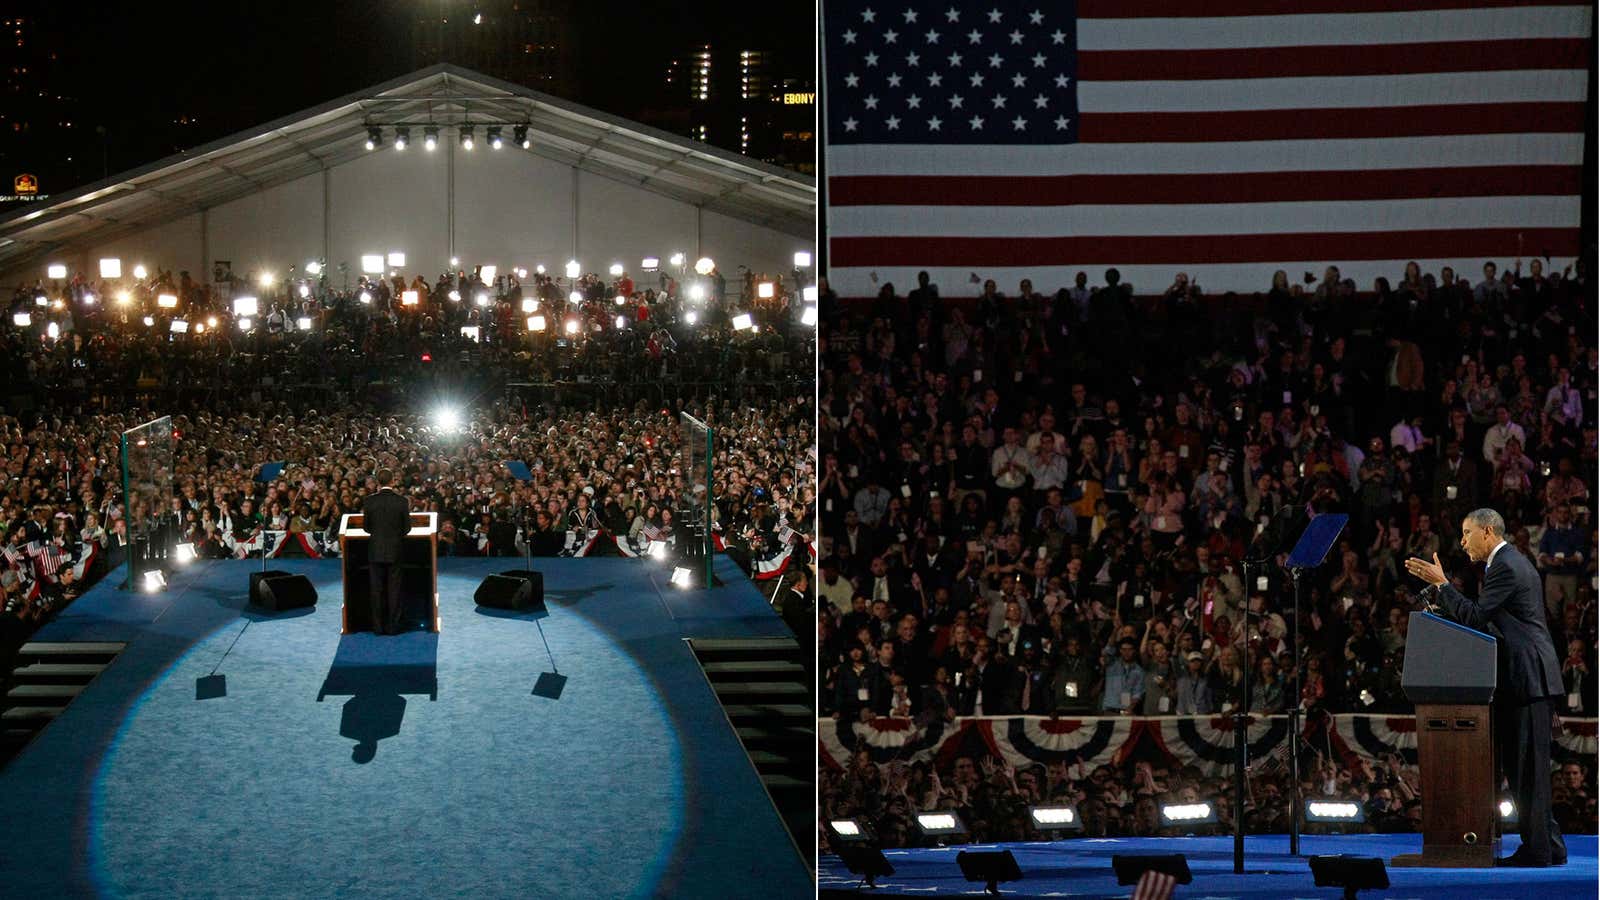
x=22, y=319
x=41, y=300
x=366, y=297
x=1055, y=817
x=455, y=296
x=314, y=268
x=178, y=326
x=519, y=133
x=149, y=321
x=575, y=297
x=536, y=323
x=88, y=299
x=374, y=137
x=430, y=140
x=539, y=268
x=572, y=326
x=184, y=554
x=372, y=263
x=850, y=831
x=410, y=298
x=940, y=823
x=802, y=259
x=621, y=300
x=650, y=263
x=493, y=135
x=305, y=291
x=1334, y=811
x=1200, y=813
x=809, y=293
x=1131, y=867
x=616, y=269
x=677, y=259
x=691, y=317
x=682, y=577
x=199, y=328
x=245, y=324
x=470, y=332
x=573, y=269
x=487, y=273
x=52, y=331
x=481, y=298
x=1508, y=811
x=466, y=137
x=447, y=418
x=303, y=323
x=990, y=867
x=743, y=322
x=697, y=292
x=266, y=279
x=397, y=259
x=402, y=137
x=658, y=550
x=529, y=304
x=246, y=306
x=766, y=290
x=622, y=323
x=140, y=272
x=111, y=267
x=124, y=298
x=1353, y=873
x=705, y=265
x=211, y=321
x=167, y=301
x=58, y=303
x=808, y=317
x=56, y=271
x=154, y=580
x=455, y=261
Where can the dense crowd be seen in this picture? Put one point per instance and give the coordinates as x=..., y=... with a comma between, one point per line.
x=608, y=461
x=1039, y=504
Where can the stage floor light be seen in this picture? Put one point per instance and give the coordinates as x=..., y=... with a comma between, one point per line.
x=1055, y=817
x=940, y=824
x=154, y=581
x=1334, y=811
x=1188, y=813
x=184, y=553
x=682, y=577
x=850, y=831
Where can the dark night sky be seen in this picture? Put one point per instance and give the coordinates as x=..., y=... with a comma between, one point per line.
x=134, y=67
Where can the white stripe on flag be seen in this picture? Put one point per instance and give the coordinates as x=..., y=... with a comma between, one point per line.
x=1327, y=93
x=1207, y=218
x=1463, y=151
x=1334, y=29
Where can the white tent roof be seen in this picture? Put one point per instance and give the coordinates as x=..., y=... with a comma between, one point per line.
x=335, y=133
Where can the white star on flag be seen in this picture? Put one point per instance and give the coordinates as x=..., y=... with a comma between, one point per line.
x=976, y=122
x=934, y=123
x=911, y=16
x=1019, y=123
x=994, y=16
x=868, y=15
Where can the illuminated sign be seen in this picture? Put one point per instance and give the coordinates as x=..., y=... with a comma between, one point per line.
x=25, y=184
x=805, y=99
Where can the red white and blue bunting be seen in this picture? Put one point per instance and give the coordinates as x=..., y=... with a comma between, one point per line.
x=1202, y=741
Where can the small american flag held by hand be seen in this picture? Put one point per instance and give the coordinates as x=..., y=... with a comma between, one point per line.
x=1154, y=885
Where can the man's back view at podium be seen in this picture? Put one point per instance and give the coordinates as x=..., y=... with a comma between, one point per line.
x=387, y=519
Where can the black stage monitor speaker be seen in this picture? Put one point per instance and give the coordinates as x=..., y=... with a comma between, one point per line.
x=868, y=862
x=519, y=589
x=281, y=592
x=255, y=583
x=1130, y=868
x=1353, y=873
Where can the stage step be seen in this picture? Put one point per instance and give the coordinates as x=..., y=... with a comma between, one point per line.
x=57, y=673
x=25, y=714
x=48, y=676
x=745, y=667
x=42, y=694
x=765, y=686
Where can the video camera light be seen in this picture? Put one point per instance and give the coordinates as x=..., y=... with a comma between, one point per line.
x=167, y=301
x=246, y=306
x=56, y=271
x=111, y=267
x=178, y=326
x=802, y=259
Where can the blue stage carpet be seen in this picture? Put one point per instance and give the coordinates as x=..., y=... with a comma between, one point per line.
x=1082, y=868
x=456, y=764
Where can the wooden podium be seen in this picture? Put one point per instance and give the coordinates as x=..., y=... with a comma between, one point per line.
x=1449, y=673
x=419, y=573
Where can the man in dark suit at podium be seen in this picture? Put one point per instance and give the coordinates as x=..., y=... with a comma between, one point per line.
x=1511, y=606
x=387, y=519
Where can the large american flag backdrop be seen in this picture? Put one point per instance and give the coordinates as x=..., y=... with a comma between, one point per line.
x=1227, y=139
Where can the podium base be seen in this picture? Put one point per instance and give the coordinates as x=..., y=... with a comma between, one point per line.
x=1473, y=857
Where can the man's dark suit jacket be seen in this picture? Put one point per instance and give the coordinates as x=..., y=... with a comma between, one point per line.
x=387, y=520
x=1511, y=606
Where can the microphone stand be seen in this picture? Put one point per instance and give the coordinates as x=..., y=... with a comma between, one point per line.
x=1241, y=729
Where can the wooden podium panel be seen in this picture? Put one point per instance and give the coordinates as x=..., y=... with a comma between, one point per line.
x=1460, y=811
x=419, y=573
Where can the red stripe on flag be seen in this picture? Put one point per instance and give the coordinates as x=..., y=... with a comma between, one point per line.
x=1188, y=9
x=1332, y=124
x=1281, y=187
x=1299, y=62
x=1185, y=249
